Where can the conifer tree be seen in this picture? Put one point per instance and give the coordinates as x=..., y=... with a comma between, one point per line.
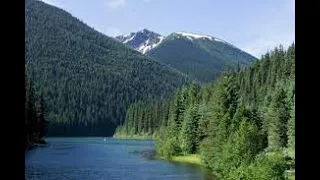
x=291, y=128
x=278, y=117
x=42, y=118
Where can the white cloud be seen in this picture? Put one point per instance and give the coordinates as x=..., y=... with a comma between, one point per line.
x=114, y=4
x=261, y=45
x=278, y=29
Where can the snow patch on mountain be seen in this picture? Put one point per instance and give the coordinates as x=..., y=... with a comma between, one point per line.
x=146, y=40
x=148, y=46
x=126, y=35
x=142, y=41
x=223, y=41
x=131, y=38
x=194, y=36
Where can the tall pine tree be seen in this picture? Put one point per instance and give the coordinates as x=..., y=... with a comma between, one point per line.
x=278, y=117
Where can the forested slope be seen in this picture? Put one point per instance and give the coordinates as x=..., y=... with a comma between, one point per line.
x=87, y=78
x=35, y=114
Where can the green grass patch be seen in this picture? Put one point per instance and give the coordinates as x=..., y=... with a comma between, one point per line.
x=135, y=137
x=190, y=159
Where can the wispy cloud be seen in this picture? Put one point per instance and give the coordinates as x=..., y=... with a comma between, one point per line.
x=115, y=4
x=146, y=1
x=260, y=46
x=272, y=32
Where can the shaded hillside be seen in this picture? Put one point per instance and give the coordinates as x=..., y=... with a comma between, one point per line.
x=87, y=78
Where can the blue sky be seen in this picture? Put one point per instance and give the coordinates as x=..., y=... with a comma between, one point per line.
x=255, y=26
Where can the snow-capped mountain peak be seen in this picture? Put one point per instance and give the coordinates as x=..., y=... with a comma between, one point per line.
x=145, y=40
x=195, y=36
x=192, y=36
x=142, y=41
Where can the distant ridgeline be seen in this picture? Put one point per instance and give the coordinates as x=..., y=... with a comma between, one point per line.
x=88, y=79
x=242, y=126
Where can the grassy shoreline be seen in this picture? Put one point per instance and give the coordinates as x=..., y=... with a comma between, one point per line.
x=134, y=137
x=188, y=159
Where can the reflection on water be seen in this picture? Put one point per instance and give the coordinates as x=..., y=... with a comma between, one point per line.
x=96, y=158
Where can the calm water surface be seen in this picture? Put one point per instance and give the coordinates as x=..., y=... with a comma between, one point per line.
x=99, y=158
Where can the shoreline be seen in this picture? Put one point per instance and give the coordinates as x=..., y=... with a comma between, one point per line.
x=193, y=159
x=41, y=143
x=30, y=147
x=135, y=137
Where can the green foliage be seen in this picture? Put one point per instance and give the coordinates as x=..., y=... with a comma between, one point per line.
x=143, y=118
x=88, y=79
x=291, y=128
x=279, y=115
x=160, y=140
x=239, y=116
x=188, y=134
x=43, y=123
x=241, y=146
x=265, y=167
x=35, y=116
x=171, y=147
x=183, y=123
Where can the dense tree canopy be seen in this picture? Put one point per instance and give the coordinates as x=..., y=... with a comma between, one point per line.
x=35, y=115
x=240, y=125
x=88, y=79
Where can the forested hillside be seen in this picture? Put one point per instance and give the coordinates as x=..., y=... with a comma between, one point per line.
x=35, y=122
x=87, y=78
x=143, y=118
x=242, y=126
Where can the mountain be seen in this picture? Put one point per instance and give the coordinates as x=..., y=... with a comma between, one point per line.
x=142, y=41
x=202, y=57
x=88, y=80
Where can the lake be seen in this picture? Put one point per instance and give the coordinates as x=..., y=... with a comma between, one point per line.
x=104, y=158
